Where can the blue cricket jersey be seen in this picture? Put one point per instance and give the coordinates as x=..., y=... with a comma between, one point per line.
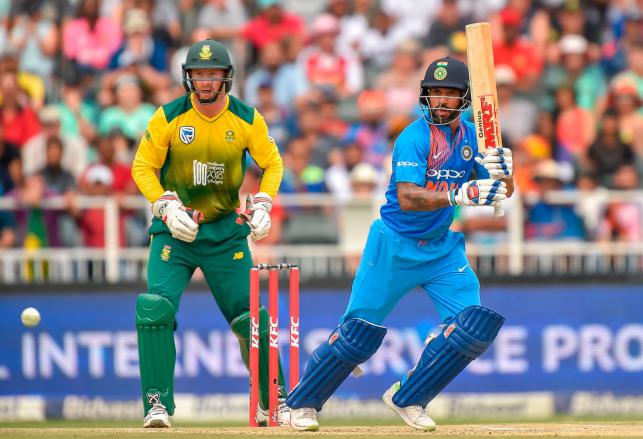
x=426, y=155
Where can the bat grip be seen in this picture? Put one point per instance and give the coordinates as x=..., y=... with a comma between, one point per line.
x=196, y=215
x=498, y=211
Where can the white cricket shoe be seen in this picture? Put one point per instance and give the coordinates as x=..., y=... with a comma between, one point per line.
x=283, y=414
x=304, y=419
x=414, y=415
x=157, y=417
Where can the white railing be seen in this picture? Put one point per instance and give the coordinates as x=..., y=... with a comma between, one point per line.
x=514, y=256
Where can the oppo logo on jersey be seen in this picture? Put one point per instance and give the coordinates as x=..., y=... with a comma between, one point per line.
x=444, y=173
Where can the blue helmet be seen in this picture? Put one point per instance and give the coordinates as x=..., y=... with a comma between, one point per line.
x=445, y=73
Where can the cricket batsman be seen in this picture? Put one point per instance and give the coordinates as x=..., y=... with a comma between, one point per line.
x=190, y=164
x=436, y=166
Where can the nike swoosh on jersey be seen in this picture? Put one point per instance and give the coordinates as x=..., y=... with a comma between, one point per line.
x=461, y=269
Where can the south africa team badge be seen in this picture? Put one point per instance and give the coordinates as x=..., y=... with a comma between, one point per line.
x=186, y=134
x=467, y=152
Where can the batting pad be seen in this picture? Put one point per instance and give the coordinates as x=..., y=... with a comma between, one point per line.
x=463, y=339
x=240, y=326
x=352, y=343
x=156, y=350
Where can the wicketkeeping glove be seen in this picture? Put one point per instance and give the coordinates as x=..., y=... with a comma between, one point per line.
x=478, y=193
x=257, y=214
x=182, y=222
x=497, y=161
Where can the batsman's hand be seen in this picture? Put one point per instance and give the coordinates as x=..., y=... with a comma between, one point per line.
x=479, y=193
x=257, y=215
x=498, y=162
x=182, y=222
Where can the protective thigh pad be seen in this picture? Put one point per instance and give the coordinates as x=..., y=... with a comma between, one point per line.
x=463, y=339
x=352, y=343
x=240, y=326
x=156, y=350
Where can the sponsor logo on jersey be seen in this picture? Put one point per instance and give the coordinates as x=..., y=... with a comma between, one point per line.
x=444, y=173
x=403, y=164
x=333, y=337
x=207, y=173
x=467, y=152
x=186, y=134
x=229, y=136
x=165, y=253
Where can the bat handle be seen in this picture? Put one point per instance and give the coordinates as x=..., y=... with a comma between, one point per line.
x=196, y=215
x=498, y=211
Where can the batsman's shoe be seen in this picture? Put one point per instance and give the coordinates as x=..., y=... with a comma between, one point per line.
x=304, y=419
x=283, y=414
x=414, y=415
x=157, y=417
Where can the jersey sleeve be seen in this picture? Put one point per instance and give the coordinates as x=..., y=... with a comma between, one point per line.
x=150, y=156
x=264, y=151
x=410, y=156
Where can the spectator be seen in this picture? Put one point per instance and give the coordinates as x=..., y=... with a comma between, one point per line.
x=517, y=115
x=78, y=115
x=223, y=18
x=10, y=164
x=32, y=85
x=547, y=221
x=331, y=124
x=324, y=66
x=608, y=153
x=274, y=115
x=54, y=174
x=364, y=181
x=75, y=148
x=622, y=220
x=624, y=97
x=516, y=52
x=97, y=182
x=635, y=70
x=275, y=25
x=381, y=40
x=574, y=127
x=164, y=17
x=447, y=22
x=36, y=39
x=401, y=81
x=60, y=181
x=16, y=114
x=317, y=143
x=288, y=81
x=139, y=48
x=539, y=145
x=353, y=25
x=586, y=77
x=371, y=132
x=299, y=174
x=131, y=113
x=89, y=40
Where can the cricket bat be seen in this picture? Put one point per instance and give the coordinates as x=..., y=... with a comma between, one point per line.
x=484, y=97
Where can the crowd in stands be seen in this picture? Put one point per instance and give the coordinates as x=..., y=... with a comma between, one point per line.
x=336, y=80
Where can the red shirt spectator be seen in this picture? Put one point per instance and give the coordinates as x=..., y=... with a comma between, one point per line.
x=516, y=52
x=273, y=25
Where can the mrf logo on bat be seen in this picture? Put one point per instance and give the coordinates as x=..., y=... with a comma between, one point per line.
x=486, y=121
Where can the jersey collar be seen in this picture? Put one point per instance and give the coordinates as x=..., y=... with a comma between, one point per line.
x=216, y=116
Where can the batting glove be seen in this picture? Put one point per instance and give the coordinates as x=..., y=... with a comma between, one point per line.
x=182, y=222
x=497, y=161
x=257, y=215
x=478, y=193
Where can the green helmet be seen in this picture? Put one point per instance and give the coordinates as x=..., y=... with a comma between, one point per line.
x=208, y=54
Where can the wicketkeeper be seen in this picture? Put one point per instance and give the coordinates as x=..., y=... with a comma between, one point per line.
x=190, y=164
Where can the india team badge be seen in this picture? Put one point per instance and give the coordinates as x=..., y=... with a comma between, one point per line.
x=441, y=71
x=467, y=152
x=186, y=134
